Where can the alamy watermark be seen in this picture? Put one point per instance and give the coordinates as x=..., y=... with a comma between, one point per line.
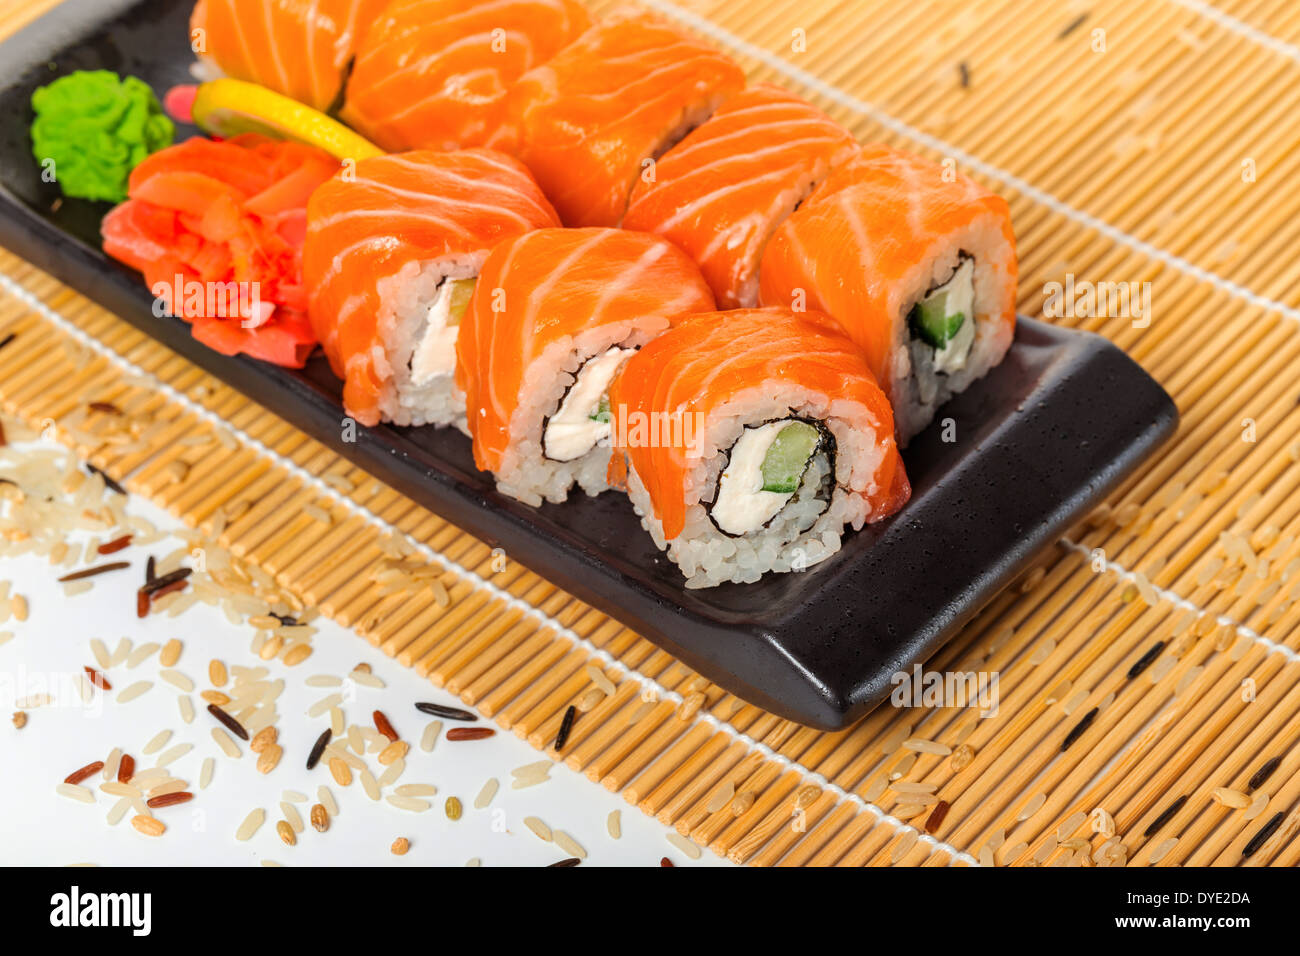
x=922, y=688
x=190, y=299
x=1106, y=300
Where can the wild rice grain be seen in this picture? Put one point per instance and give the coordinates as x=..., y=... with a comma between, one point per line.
x=251, y=824
x=470, y=733
x=89, y=770
x=1266, y=831
x=1165, y=817
x=94, y=572
x=1084, y=723
x=318, y=748
x=169, y=799
x=485, y=795
x=446, y=713
x=566, y=726
x=384, y=726
x=1260, y=777
x=935, y=820
x=231, y=723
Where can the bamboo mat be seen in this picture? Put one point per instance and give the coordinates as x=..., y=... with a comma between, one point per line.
x=1146, y=662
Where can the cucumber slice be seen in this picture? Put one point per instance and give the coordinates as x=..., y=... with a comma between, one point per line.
x=458, y=295
x=601, y=414
x=932, y=323
x=787, y=457
x=937, y=318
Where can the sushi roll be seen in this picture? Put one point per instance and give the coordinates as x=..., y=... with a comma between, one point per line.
x=433, y=74
x=721, y=192
x=392, y=252
x=750, y=439
x=555, y=315
x=302, y=50
x=623, y=93
x=917, y=264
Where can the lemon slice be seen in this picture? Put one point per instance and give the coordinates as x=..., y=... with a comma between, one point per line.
x=229, y=107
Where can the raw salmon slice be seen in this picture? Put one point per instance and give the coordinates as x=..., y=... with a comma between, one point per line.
x=721, y=192
x=623, y=93
x=377, y=227
x=300, y=48
x=433, y=74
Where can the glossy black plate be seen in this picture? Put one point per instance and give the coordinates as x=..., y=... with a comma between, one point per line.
x=1046, y=436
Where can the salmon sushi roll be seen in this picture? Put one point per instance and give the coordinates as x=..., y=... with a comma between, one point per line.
x=433, y=74
x=917, y=264
x=590, y=121
x=556, y=314
x=721, y=192
x=751, y=439
x=392, y=253
x=301, y=49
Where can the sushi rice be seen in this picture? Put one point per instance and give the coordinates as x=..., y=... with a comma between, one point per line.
x=418, y=357
x=808, y=527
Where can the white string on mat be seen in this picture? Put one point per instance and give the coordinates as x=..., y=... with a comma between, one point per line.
x=1241, y=28
x=834, y=93
x=1178, y=600
x=324, y=489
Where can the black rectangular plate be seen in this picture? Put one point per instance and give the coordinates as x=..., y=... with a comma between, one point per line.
x=1038, y=443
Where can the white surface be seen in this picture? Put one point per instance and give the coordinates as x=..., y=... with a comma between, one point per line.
x=40, y=827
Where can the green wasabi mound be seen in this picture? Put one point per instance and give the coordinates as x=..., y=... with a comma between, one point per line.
x=92, y=128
